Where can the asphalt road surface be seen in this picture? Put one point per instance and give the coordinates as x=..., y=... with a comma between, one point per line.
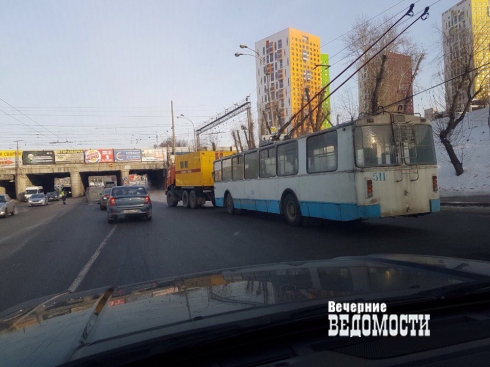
x=47, y=250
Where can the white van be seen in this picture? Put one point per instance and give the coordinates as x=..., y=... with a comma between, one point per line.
x=31, y=190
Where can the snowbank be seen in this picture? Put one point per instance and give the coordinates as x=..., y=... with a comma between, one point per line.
x=473, y=145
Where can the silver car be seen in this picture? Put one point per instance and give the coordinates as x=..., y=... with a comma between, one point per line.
x=37, y=200
x=128, y=201
x=7, y=206
x=104, y=198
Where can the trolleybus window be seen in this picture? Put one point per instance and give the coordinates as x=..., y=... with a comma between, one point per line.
x=217, y=171
x=252, y=165
x=322, y=152
x=287, y=159
x=423, y=152
x=237, y=167
x=226, y=171
x=268, y=162
x=374, y=146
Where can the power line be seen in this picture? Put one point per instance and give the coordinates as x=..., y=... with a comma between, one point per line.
x=437, y=85
x=367, y=21
x=29, y=118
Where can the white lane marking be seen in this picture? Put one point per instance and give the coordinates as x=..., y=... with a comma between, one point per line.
x=79, y=279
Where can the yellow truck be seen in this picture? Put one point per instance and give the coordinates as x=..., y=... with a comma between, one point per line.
x=190, y=178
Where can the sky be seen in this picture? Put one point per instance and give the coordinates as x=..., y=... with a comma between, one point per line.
x=102, y=74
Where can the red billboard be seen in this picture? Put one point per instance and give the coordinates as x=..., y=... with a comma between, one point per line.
x=99, y=156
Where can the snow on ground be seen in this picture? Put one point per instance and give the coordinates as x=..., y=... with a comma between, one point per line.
x=473, y=145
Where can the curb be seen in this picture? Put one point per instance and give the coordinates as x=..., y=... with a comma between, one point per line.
x=462, y=204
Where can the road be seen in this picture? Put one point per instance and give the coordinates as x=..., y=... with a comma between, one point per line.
x=46, y=250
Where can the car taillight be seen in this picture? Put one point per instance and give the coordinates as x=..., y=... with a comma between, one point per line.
x=369, y=184
x=112, y=202
x=147, y=199
x=434, y=183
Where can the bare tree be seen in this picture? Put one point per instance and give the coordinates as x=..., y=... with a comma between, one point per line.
x=466, y=82
x=349, y=104
x=239, y=140
x=233, y=134
x=378, y=83
x=178, y=143
x=309, y=118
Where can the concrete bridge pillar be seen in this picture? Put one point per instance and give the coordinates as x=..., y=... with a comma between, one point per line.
x=76, y=184
x=21, y=182
x=124, y=177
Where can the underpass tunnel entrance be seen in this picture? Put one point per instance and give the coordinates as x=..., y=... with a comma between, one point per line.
x=8, y=187
x=98, y=178
x=155, y=178
x=46, y=180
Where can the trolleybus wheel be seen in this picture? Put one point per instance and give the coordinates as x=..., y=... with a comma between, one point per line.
x=292, y=211
x=185, y=199
x=230, y=207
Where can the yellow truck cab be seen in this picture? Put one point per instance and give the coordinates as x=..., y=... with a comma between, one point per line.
x=190, y=178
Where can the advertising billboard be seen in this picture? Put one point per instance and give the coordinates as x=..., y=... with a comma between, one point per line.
x=127, y=155
x=69, y=156
x=37, y=157
x=99, y=156
x=153, y=155
x=7, y=158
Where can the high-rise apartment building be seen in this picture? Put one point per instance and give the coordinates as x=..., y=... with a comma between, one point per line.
x=395, y=86
x=289, y=62
x=466, y=27
x=325, y=75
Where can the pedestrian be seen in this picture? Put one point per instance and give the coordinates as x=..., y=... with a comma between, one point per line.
x=63, y=196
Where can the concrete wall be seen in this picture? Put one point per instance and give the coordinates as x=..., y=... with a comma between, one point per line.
x=21, y=182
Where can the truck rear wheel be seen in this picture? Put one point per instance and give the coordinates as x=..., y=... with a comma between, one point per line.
x=185, y=199
x=170, y=200
x=193, y=199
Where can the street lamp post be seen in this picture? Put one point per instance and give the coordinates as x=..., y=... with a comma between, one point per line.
x=257, y=56
x=196, y=139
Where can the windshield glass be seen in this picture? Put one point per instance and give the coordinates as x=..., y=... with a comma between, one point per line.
x=32, y=191
x=420, y=148
x=2, y=199
x=380, y=145
x=375, y=146
x=37, y=196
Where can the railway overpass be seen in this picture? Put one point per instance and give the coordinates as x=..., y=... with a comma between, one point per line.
x=16, y=179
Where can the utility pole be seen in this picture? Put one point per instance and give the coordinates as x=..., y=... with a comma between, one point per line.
x=17, y=167
x=251, y=136
x=173, y=127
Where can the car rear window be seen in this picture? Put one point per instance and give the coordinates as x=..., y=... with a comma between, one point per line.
x=119, y=191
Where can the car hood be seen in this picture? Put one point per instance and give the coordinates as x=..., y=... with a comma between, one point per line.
x=68, y=326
